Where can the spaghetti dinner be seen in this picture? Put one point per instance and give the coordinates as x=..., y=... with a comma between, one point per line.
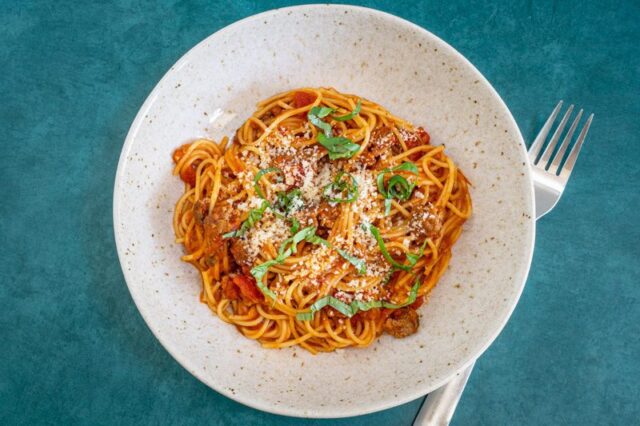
x=324, y=223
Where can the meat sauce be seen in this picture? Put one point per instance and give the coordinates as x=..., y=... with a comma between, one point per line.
x=187, y=174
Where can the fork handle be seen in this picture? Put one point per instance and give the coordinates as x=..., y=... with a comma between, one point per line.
x=440, y=404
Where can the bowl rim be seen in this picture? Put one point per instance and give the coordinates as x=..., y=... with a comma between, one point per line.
x=292, y=411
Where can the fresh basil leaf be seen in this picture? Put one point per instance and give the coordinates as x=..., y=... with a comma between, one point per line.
x=360, y=264
x=255, y=215
x=360, y=305
x=400, y=188
x=315, y=115
x=259, y=175
x=259, y=272
x=385, y=253
x=295, y=225
x=397, y=186
x=406, y=166
x=356, y=306
x=413, y=295
x=321, y=112
x=338, y=147
x=341, y=307
x=387, y=206
x=337, y=304
x=352, y=114
x=284, y=252
x=340, y=185
x=288, y=202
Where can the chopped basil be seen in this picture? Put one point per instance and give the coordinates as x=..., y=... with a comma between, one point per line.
x=354, y=307
x=284, y=252
x=259, y=175
x=295, y=225
x=290, y=246
x=304, y=234
x=259, y=272
x=413, y=295
x=360, y=264
x=411, y=257
x=316, y=114
x=338, y=147
x=288, y=202
x=254, y=217
x=352, y=114
x=397, y=186
x=340, y=186
x=338, y=305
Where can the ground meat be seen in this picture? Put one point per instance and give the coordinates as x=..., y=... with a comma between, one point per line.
x=201, y=209
x=240, y=254
x=402, y=323
x=295, y=166
x=229, y=289
x=382, y=141
x=425, y=222
x=220, y=221
x=327, y=216
x=322, y=216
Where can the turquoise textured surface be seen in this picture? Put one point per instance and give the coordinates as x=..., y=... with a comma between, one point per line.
x=73, y=348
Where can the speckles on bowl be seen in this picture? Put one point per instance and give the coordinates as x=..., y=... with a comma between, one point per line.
x=211, y=90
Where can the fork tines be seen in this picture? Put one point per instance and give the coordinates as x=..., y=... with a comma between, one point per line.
x=552, y=157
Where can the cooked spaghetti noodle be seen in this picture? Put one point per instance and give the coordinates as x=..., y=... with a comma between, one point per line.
x=325, y=222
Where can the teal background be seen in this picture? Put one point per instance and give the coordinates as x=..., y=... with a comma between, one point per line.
x=73, y=348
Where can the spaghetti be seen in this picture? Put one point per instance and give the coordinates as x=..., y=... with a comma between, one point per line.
x=325, y=223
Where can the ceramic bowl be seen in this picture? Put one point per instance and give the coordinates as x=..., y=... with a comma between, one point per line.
x=212, y=89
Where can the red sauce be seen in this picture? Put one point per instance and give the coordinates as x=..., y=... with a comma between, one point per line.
x=418, y=137
x=301, y=99
x=179, y=152
x=248, y=288
x=187, y=174
x=419, y=301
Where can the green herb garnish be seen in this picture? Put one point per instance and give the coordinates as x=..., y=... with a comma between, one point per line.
x=284, y=252
x=412, y=258
x=315, y=115
x=295, y=225
x=352, y=114
x=354, y=307
x=338, y=147
x=259, y=175
x=254, y=217
x=290, y=246
x=288, y=202
x=360, y=264
x=340, y=186
x=397, y=186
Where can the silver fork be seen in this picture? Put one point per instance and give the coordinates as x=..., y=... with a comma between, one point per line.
x=549, y=180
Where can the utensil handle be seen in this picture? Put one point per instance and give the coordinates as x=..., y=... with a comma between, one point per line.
x=440, y=404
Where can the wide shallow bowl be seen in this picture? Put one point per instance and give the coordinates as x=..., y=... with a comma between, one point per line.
x=417, y=76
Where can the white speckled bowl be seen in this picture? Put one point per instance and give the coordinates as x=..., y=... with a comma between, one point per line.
x=212, y=89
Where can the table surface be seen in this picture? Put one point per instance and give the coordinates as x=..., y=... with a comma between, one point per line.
x=74, y=348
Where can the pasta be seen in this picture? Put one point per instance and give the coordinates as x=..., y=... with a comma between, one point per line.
x=324, y=223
